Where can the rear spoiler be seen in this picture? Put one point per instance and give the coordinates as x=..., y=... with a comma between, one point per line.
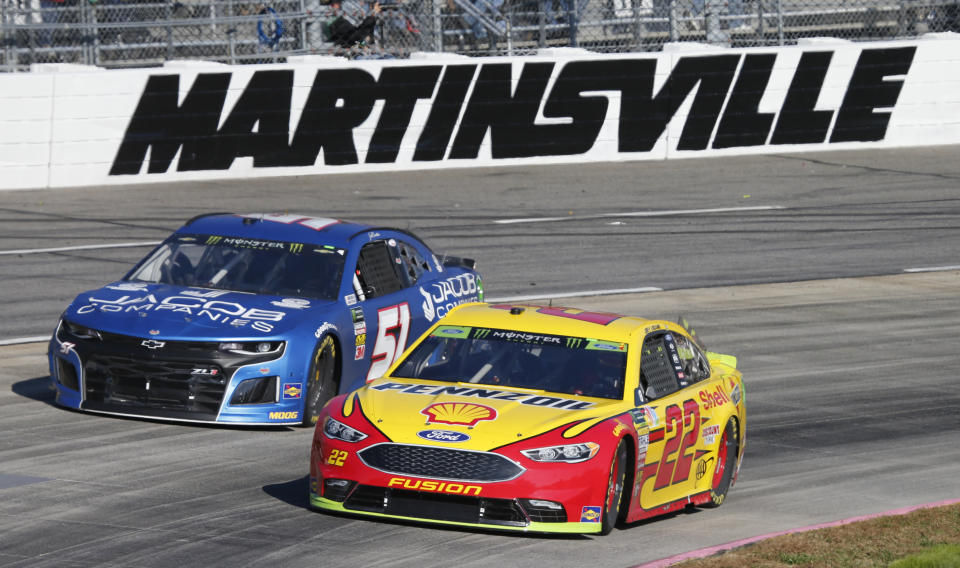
x=728, y=360
x=458, y=262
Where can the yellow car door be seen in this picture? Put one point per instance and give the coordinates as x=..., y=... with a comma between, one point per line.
x=675, y=418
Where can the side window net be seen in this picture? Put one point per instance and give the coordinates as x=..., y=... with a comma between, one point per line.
x=656, y=369
x=376, y=272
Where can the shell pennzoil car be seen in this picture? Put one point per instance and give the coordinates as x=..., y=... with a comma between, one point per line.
x=252, y=319
x=535, y=418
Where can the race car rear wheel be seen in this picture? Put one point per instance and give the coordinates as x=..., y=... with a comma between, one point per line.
x=615, y=482
x=322, y=380
x=726, y=464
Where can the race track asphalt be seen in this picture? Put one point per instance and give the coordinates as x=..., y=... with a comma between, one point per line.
x=849, y=362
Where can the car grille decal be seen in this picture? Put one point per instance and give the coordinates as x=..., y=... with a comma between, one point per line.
x=440, y=463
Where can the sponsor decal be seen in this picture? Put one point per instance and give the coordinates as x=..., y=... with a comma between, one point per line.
x=736, y=394
x=361, y=350
x=460, y=413
x=284, y=415
x=522, y=337
x=617, y=430
x=292, y=390
x=494, y=105
x=441, y=297
x=361, y=339
x=359, y=323
x=434, y=486
x=702, y=466
x=713, y=398
x=350, y=299
x=66, y=347
x=491, y=394
x=443, y=436
x=590, y=514
x=709, y=434
x=645, y=415
x=264, y=370
x=154, y=332
x=193, y=305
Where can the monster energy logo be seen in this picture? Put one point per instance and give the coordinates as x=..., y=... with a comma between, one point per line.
x=480, y=333
x=296, y=248
x=574, y=342
x=212, y=240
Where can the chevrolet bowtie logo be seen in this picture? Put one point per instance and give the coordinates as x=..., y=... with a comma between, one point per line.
x=152, y=343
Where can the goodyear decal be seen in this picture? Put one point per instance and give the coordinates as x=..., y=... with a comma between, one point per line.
x=491, y=394
x=434, y=486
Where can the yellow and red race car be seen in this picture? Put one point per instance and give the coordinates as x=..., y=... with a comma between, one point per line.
x=535, y=418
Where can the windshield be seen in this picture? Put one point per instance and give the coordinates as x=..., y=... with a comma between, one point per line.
x=245, y=265
x=554, y=363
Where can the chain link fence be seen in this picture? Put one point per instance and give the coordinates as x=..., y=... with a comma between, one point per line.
x=137, y=33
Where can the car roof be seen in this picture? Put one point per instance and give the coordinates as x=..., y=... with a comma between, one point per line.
x=285, y=227
x=554, y=320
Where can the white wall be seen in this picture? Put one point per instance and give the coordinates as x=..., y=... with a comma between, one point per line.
x=64, y=126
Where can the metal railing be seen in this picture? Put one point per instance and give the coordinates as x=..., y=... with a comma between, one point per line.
x=137, y=33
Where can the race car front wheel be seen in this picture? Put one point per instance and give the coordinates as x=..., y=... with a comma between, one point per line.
x=726, y=464
x=322, y=385
x=611, y=504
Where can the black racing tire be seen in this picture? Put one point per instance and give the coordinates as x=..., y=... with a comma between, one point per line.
x=323, y=380
x=726, y=465
x=614, y=495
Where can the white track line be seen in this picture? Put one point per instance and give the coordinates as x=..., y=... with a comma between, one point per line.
x=637, y=214
x=81, y=247
x=932, y=269
x=19, y=340
x=573, y=294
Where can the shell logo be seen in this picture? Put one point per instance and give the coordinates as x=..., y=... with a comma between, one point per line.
x=461, y=413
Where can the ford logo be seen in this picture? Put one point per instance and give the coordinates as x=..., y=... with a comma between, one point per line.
x=443, y=436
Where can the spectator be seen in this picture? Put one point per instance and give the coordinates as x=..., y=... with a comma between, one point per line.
x=568, y=14
x=51, y=14
x=343, y=33
x=735, y=10
x=487, y=10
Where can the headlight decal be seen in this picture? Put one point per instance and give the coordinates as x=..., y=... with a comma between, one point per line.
x=336, y=430
x=567, y=453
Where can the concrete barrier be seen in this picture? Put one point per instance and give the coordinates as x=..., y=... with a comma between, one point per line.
x=66, y=126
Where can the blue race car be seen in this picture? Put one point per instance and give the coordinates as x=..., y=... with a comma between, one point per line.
x=253, y=319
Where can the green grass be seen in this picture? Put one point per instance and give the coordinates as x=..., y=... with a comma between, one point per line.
x=940, y=556
x=926, y=538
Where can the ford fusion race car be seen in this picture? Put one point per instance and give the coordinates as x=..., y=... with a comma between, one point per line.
x=535, y=418
x=254, y=319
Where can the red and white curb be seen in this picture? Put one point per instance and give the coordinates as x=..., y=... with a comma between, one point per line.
x=704, y=552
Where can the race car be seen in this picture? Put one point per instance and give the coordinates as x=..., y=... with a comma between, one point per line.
x=252, y=319
x=535, y=418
